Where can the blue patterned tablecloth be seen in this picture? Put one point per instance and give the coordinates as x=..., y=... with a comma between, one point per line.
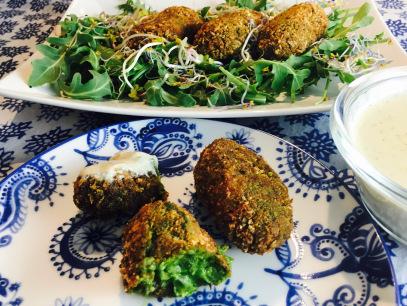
x=26, y=129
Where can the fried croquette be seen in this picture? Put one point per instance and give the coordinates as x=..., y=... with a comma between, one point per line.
x=172, y=23
x=292, y=32
x=250, y=203
x=223, y=37
x=167, y=253
x=120, y=185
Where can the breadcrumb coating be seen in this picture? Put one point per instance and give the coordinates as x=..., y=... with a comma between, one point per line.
x=162, y=230
x=223, y=37
x=248, y=199
x=172, y=23
x=292, y=32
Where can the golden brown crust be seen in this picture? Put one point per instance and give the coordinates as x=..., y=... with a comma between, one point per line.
x=124, y=195
x=160, y=230
x=223, y=37
x=292, y=31
x=172, y=23
x=250, y=202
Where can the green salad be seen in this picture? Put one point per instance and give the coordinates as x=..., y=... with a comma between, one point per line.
x=91, y=59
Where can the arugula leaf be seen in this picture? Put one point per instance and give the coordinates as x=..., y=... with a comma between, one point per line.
x=69, y=25
x=185, y=99
x=92, y=59
x=258, y=68
x=345, y=77
x=130, y=6
x=204, y=11
x=332, y=45
x=258, y=5
x=297, y=61
x=168, y=99
x=48, y=51
x=252, y=93
x=45, y=70
x=280, y=77
x=86, y=39
x=75, y=54
x=361, y=14
x=127, y=7
x=100, y=86
x=281, y=82
x=220, y=98
x=153, y=92
x=360, y=19
x=241, y=3
x=234, y=79
x=214, y=97
x=59, y=41
x=158, y=96
x=298, y=82
x=138, y=72
x=105, y=52
x=256, y=97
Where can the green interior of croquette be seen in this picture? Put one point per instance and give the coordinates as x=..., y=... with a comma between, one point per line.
x=182, y=274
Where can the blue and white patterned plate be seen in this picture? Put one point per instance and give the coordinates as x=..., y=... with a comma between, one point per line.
x=51, y=254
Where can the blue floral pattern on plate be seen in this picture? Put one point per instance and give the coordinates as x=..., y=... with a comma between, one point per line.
x=70, y=301
x=84, y=249
x=9, y=292
x=214, y=296
x=173, y=141
x=37, y=180
x=86, y=246
x=243, y=136
x=308, y=177
x=359, y=251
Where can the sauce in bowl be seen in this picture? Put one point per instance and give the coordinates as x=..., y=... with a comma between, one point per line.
x=380, y=134
x=369, y=126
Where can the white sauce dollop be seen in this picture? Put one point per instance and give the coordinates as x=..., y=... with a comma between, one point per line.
x=135, y=163
x=380, y=134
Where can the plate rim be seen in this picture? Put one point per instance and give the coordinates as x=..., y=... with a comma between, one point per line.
x=358, y=201
x=167, y=111
x=181, y=112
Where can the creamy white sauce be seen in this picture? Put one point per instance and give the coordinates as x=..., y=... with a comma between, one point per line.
x=380, y=134
x=135, y=163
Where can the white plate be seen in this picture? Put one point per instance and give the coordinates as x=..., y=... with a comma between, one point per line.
x=15, y=84
x=50, y=254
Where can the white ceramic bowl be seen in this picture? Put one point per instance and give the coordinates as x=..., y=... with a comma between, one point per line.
x=385, y=200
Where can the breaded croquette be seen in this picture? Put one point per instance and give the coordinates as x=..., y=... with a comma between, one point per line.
x=223, y=37
x=167, y=253
x=292, y=32
x=172, y=23
x=250, y=203
x=120, y=185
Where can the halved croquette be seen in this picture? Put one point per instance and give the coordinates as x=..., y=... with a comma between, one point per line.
x=167, y=253
x=120, y=185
